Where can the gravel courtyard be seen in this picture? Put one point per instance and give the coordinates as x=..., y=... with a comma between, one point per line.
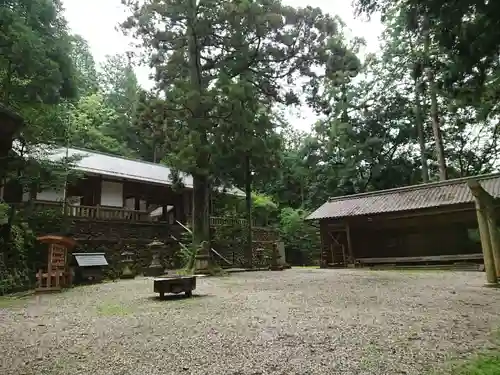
x=299, y=321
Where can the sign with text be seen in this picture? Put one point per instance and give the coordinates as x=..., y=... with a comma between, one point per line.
x=57, y=256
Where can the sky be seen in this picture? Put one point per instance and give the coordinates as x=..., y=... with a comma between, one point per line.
x=96, y=21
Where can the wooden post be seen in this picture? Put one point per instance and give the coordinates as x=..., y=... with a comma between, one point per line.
x=58, y=278
x=485, y=203
x=489, y=261
x=489, y=242
x=49, y=268
x=349, y=244
x=494, y=237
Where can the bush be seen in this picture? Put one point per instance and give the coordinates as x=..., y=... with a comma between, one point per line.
x=17, y=255
x=302, y=240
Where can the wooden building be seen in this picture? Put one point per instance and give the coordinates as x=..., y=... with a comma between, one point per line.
x=433, y=222
x=114, y=188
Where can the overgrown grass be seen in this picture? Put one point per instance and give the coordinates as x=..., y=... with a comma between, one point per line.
x=486, y=362
x=482, y=364
x=113, y=310
x=7, y=302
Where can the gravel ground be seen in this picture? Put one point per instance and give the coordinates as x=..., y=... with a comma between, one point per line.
x=299, y=321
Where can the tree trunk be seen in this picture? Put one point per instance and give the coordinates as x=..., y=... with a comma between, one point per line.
x=436, y=128
x=201, y=185
x=248, y=196
x=433, y=89
x=201, y=215
x=419, y=124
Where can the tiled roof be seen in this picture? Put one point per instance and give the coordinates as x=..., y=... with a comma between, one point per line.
x=116, y=166
x=408, y=198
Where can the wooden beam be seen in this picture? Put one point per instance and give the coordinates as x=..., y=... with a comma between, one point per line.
x=422, y=259
x=349, y=243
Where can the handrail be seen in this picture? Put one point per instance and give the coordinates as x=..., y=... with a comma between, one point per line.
x=184, y=227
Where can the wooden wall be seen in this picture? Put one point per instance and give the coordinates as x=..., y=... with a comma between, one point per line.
x=90, y=189
x=422, y=233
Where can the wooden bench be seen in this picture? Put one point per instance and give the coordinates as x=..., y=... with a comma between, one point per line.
x=422, y=259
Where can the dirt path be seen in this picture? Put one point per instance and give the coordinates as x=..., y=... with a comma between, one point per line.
x=299, y=321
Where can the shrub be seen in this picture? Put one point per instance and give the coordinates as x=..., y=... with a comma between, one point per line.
x=17, y=255
x=302, y=240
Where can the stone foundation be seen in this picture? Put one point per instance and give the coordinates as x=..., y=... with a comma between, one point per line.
x=115, y=237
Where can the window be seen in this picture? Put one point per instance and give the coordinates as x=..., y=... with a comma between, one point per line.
x=112, y=194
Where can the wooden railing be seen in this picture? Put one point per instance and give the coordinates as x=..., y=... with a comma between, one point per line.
x=107, y=213
x=93, y=212
x=122, y=214
x=229, y=221
x=217, y=221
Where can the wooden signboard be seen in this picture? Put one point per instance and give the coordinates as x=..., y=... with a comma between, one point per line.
x=57, y=256
x=58, y=274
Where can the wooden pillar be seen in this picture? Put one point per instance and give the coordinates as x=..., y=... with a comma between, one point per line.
x=349, y=243
x=489, y=240
x=49, y=267
x=484, y=232
x=494, y=236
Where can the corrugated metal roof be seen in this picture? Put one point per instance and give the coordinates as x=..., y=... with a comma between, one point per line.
x=408, y=198
x=90, y=259
x=115, y=166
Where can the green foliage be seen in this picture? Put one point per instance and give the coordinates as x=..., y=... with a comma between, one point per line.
x=264, y=210
x=187, y=254
x=16, y=259
x=121, y=91
x=85, y=69
x=4, y=213
x=34, y=53
x=302, y=242
x=91, y=121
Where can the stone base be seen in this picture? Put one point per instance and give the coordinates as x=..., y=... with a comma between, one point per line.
x=201, y=264
x=276, y=267
x=491, y=285
x=128, y=276
x=127, y=273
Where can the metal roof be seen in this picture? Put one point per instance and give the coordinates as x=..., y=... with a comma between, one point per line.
x=90, y=259
x=436, y=194
x=119, y=167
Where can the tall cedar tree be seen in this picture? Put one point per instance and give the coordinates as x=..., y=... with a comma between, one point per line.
x=197, y=46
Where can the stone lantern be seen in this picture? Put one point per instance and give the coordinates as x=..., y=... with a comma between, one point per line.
x=127, y=260
x=155, y=268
